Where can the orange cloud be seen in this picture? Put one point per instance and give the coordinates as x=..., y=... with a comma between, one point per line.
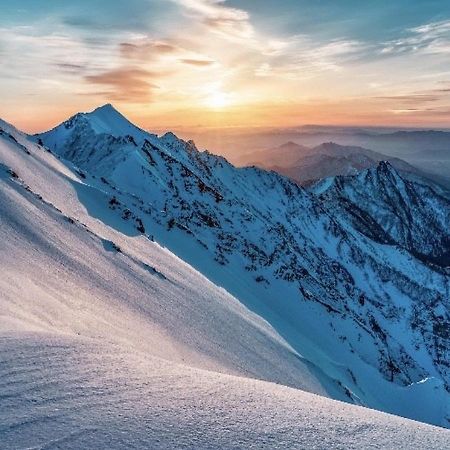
x=198, y=62
x=145, y=48
x=126, y=84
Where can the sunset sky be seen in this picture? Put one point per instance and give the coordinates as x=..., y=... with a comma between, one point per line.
x=213, y=63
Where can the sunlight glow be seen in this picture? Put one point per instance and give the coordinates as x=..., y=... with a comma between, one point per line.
x=217, y=100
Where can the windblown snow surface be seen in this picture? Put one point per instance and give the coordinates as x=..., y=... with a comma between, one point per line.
x=109, y=340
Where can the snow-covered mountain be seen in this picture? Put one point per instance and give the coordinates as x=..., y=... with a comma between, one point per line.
x=129, y=256
x=398, y=210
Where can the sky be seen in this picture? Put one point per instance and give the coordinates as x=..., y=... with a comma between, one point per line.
x=192, y=64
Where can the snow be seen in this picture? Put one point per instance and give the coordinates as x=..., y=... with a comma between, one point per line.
x=110, y=340
x=91, y=395
x=106, y=119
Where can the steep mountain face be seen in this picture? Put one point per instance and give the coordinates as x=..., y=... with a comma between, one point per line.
x=395, y=210
x=66, y=272
x=353, y=304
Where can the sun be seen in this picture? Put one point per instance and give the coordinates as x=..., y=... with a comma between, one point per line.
x=217, y=100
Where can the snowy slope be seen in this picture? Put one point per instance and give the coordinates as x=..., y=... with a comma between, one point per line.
x=98, y=396
x=108, y=340
x=51, y=256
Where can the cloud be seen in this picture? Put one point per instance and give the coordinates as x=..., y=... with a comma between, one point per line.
x=33, y=53
x=429, y=103
x=303, y=57
x=411, y=98
x=431, y=38
x=145, y=48
x=434, y=29
x=198, y=62
x=162, y=53
x=232, y=23
x=70, y=68
x=425, y=112
x=128, y=84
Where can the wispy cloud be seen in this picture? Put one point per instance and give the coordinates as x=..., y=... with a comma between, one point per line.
x=70, y=68
x=431, y=38
x=230, y=22
x=303, y=57
x=410, y=98
x=131, y=85
x=36, y=53
x=144, y=48
x=198, y=62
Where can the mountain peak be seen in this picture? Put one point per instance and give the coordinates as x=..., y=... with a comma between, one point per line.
x=106, y=119
x=87, y=130
x=385, y=167
x=329, y=144
x=106, y=107
x=105, y=110
x=169, y=136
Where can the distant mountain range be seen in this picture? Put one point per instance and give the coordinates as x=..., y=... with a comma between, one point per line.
x=161, y=275
x=308, y=164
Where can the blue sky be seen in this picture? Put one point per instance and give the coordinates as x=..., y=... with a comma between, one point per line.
x=232, y=62
x=372, y=20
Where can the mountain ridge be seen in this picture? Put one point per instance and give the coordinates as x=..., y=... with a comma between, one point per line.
x=200, y=207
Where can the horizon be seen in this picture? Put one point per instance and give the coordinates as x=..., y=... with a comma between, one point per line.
x=235, y=142
x=303, y=128
x=227, y=64
x=226, y=141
